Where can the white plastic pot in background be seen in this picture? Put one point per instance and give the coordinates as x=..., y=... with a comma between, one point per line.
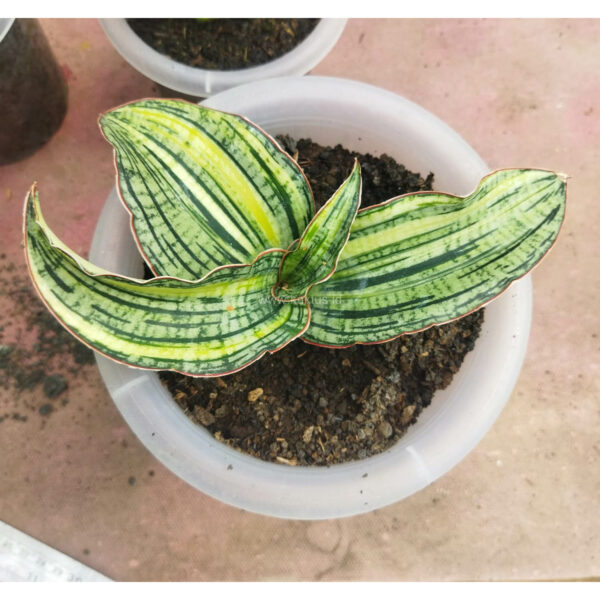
x=5, y=25
x=205, y=82
x=367, y=119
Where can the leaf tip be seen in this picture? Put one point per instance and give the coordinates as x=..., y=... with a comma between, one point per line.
x=31, y=206
x=105, y=120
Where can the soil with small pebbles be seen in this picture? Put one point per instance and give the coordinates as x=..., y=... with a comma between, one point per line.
x=223, y=44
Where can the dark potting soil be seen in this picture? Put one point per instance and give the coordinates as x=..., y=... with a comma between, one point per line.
x=308, y=405
x=223, y=44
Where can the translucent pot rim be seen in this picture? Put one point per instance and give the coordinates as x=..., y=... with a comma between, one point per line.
x=205, y=82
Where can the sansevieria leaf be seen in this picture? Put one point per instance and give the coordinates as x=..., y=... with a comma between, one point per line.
x=428, y=258
x=316, y=254
x=225, y=219
x=205, y=188
x=208, y=327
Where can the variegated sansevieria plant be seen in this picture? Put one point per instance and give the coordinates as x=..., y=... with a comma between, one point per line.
x=225, y=220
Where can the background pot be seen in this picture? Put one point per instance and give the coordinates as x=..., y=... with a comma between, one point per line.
x=366, y=119
x=33, y=91
x=204, y=82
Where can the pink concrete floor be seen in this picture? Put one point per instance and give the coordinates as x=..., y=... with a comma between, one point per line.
x=522, y=505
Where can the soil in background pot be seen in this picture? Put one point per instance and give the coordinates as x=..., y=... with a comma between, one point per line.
x=308, y=405
x=223, y=44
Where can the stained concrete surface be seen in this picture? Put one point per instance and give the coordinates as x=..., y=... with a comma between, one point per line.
x=522, y=505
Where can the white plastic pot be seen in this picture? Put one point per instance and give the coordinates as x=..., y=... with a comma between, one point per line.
x=204, y=82
x=5, y=25
x=363, y=118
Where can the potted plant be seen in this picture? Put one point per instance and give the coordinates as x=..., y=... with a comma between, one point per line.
x=203, y=82
x=532, y=201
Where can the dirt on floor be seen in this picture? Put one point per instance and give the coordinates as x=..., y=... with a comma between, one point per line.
x=35, y=350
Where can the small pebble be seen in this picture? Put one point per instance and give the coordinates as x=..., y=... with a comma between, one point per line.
x=407, y=414
x=204, y=416
x=385, y=429
x=254, y=395
x=307, y=435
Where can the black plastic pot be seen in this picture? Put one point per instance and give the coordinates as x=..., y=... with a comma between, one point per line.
x=33, y=91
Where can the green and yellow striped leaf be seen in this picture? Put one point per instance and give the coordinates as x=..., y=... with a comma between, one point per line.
x=205, y=188
x=209, y=327
x=428, y=258
x=315, y=256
